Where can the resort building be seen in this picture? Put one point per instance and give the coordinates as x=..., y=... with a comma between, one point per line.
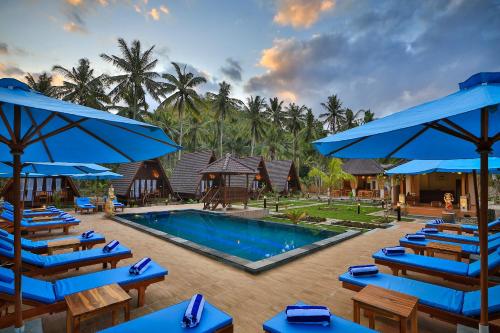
x=367, y=183
x=261, y=183
x=142, y=182
x=186, y=179
x=284, y=176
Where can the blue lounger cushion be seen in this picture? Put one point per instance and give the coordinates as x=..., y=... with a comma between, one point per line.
x=279, y=324
x=28, y=225
x=30, y=245
x=466, y=248
x=493, y=263
x=463, y=238
x=429, y=294
x=33, y=289
x=432, y=263
x=472, y=302
x=169, y=320
x=120, y=275
x=472, y=227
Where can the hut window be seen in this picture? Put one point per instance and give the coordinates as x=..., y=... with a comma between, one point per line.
x=155, y=173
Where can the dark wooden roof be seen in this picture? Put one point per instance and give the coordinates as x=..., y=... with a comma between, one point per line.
x=253, y=162
x=128, y=170
x=279, y=171
x=228, y=165
x=362, y=167
x=186, y=176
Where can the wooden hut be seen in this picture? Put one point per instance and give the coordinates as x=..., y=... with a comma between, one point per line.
x=222, y=191
x=284, y=176
x=186, y=180
x=366, y=172
x=38, y=191
x=142, y=182
x=260, y=183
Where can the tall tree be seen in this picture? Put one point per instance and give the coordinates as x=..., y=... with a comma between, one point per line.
x=81, y=86
x=42, y=83
x=137, y=78
x=295, y=122
x=274, y=143
x=368, y=116
x=334, y=114
x=275, y=112
x=350, y=119
x=255, y=113
x=182, y=85
x=309, y=128
x=130, y=107
x=222, y=104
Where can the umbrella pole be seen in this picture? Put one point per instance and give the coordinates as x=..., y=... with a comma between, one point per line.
x=484, y=148
x=476, y=195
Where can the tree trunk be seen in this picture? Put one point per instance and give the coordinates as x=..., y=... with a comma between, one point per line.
x=252, y=144
x=221, y=129
x=181, y=134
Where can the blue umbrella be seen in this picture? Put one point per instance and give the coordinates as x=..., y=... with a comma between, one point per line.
x=37, y=128
x=98, y=176
x=418, y=167
x=465, y=124
x=52, y=169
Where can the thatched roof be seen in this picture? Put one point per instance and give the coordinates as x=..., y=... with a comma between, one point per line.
x=279, y=172
x=128, y=170
x=186, y=176
x=228, y=165
x=360, y=167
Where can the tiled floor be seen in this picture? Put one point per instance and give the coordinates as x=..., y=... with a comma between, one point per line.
x=250, y=299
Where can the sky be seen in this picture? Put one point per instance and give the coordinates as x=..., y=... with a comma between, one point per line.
x=382, y=55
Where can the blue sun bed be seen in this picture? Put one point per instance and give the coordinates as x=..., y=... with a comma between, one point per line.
x=83, y=204
x=448, y=269
x=41, y=246
x=469, y=228
x=419, y=245
x=30, y=225
x=117, y=204
x=169, y=320
x=466, y=239
x=29, y=213
x=48, y=264
x=279, y=324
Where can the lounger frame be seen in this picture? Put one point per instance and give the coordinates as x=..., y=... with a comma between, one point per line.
x=452, y=318
x=87, y=245
x=33, y=270
x=9, y=226
x=38, y=308
x=420, y=249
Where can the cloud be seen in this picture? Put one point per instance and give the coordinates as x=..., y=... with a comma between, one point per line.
x=75, y=2
x=164, y=9
x=301, y=13
x=74, y=27
x=232, y=69
x=154, y=13
x=4, y=49
x=387, y=58
x=11, y=70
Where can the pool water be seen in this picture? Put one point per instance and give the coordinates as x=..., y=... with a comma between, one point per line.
x=245, y=238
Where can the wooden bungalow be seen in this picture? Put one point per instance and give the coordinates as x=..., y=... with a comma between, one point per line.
x=260, y=183
x=366, y=185
x=284, y=176
x=222, y=191
x=39, y=191
x=186, y=180
x=142, y=182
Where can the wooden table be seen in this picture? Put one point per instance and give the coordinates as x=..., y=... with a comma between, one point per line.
x=90, y=303
x=63, y=244
x=450, y=227
x=454, y=250
x=386, y=303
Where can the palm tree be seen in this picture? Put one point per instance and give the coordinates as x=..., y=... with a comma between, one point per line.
x=183, y=93
x=42, y=84
x=295, y=121
x=334, y=113
x=273, y=142
x=309, y=126
x=254, y=110
x=130, y=107
x=350, y=120
x=222, y=104
x=198, y=129
x=81, y=86
x=163, y=118
x=138, y=75
x=275, y=112
x=367, y=116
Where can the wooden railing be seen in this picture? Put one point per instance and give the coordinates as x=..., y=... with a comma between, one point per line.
x=224, y=196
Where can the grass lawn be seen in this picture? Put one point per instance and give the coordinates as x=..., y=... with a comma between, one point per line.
x=283, y=202
x=307, y=225
x=341, y=212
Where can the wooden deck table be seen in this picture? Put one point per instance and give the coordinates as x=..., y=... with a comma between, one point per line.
x=63, y=244
x=93, y=302
x=450, y=227
x=388, y=304
x=454, y=250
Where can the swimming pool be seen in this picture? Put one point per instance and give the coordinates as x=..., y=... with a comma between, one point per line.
x=241, y=240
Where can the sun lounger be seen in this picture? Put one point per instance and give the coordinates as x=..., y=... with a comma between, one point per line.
x=42, y=246
x=279, y=324
x=30, y=213
x=48, y=297
x=467, y=228
x=83, y=205
x=447, y=304
x=419, y=246
x=36, y=264
x=448, y=269
x=117, y=205
x=466, y=239
x=32, y=226
x=169, y=320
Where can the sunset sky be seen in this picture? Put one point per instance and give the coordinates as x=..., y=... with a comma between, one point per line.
x=378, y=55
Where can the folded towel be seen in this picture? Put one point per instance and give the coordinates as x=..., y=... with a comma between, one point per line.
x=6, y=279
x=69, y=219
x=192, y=315
x=417, y=236
x=308, y=314
x=363, y=270
x=87, y=205
x=5, y=247
x=140, y=267
x=394, y=251
x=88, y=234
x=437, y=221
x=110, y=246
x=429, y=230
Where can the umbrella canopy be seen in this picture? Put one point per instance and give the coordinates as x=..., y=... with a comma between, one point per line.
x=465, y=124
x=98, y=176
x=37, y=128
x=52, y=169
x=418, y=167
